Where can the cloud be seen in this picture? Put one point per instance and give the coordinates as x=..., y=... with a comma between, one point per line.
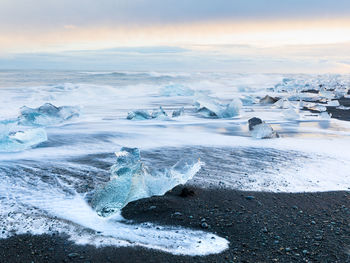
x=46, y=15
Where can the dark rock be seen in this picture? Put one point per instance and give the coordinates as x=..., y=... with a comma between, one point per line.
x=254, y=121
x=187, y=192
x=204, y=225
x=268, y=100
x=73, y=255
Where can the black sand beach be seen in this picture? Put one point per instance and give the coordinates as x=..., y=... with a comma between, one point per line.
x=261, y=227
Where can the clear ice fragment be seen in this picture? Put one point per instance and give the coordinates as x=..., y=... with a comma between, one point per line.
x=130, y=181
x=47, y=114
x=261, y=130
x=15, y=141
x=209, y=107
x=179, y=112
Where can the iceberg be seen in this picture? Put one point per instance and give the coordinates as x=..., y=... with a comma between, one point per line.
x=145, y=115
x=15, y=141
x=261, y=130
x=176, y=90
x=130, y=180
x=210, y=108
x=46, y=115
x=179, y=112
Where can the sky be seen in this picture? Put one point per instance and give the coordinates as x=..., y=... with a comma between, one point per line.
x=272, y=36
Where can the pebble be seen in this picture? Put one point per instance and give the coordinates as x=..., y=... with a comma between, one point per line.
x=204, y=225
x=73, y=255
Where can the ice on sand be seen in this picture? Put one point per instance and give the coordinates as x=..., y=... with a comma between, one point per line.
x=178, y=112
x=130, y=180
x=261, y=130
x=145, y=115
x=209, y=107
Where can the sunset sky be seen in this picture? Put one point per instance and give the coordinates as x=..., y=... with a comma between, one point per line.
x=225, y=35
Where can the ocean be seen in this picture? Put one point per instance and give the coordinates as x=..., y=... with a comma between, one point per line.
x=47, y=187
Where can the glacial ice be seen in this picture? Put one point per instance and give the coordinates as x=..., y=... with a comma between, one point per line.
x=282, y=104
x=145, y=115
x=291, y=114
x=325, y=115
x=139, y=115
x=176, y=90
x=178, y=112
x=14, y=141
x=318, y=107
x=248, y=100
x=159, y=114
x=47, y=114
x=261, y=130
x=130, y=180
x=209, y=107
x=333, y=103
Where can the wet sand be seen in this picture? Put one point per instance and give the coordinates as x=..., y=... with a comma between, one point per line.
x=261, y=227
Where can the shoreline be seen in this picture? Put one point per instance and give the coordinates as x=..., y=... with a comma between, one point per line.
x=260, y=226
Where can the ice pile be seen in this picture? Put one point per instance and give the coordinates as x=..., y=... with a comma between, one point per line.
x=130, y=181
x=260, y=129
x=176, y=90
x=209, y=107
x=47, y=115
x=12, y=140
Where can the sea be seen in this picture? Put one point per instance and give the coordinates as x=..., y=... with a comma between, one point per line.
x=45, y=188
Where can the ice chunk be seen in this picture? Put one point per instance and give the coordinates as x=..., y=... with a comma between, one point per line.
x=159, y=114
x=145, y=115
x=14, y=141
x=268, y=100
x=318, y=107
x=176, y=90
x=209, y=107
x=260, y=129
x=325, y=115
x=327, y=94
x=248, y=100
x=130, y=181
x=333, y=103
x=47, y=114
x=291, y=114
x=282, y=104
x=342, y=107
x=138, y=115
x=179, y=112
